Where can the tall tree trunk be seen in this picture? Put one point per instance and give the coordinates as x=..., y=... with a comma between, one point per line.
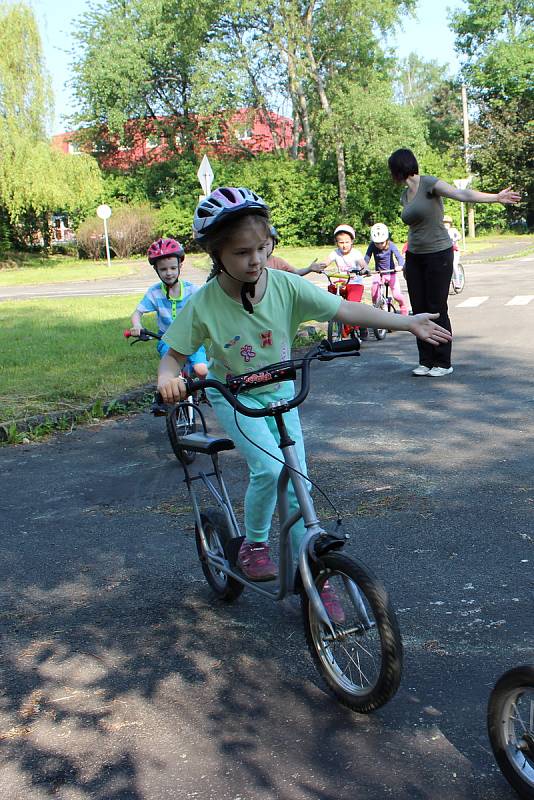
x=325, y=105
x=300, y=104
x=296, y=133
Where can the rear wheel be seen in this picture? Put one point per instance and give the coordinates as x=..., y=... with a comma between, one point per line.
x=362, y=662
x=335, y=331
x=218, y=536
x=511, y=728
x=380, y=333
x=460, y=280
x=181, y=420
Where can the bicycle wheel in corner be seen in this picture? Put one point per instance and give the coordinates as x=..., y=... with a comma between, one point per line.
x=511, y=728
x=335, y=331
x=181, y=420
x=361, y=663
x=218, y=536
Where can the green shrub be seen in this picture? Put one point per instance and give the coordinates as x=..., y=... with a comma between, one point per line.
x=131, y=229
x=90, y=238
x=303, y=209
x=175, y=219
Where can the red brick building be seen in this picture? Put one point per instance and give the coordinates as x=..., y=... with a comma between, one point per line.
x=245, y=131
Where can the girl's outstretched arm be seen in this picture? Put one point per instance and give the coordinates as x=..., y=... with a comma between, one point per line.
x=171, y=385
x=421, y=325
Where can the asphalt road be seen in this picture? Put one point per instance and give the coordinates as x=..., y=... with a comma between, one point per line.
x=122, y=679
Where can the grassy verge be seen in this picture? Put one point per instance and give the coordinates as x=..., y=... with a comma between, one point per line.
x=67, y=360
x=36, y=270
x=57, y=269
x=61, y=355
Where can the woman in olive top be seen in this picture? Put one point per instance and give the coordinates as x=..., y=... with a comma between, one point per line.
x=429, y=257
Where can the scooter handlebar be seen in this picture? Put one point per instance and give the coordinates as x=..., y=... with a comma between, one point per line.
x=275, y=373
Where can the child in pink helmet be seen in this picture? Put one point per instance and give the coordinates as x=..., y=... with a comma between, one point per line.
x=167, y=297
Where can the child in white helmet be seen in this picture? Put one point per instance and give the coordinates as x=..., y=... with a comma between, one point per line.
x=387, y=258
x=346, y=257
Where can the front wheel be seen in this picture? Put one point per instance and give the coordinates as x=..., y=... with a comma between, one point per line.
x=511, y=728
x=181, y=420
x=362, y=662
x=335, y=331
x=218, y=536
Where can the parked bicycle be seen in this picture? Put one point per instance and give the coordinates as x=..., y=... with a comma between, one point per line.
x=384, y=302
x=338, y=283
x=511, y=728
x=359, y=656
x=180, y=420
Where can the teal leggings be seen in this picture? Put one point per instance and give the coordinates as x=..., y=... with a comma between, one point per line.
x=260, y=497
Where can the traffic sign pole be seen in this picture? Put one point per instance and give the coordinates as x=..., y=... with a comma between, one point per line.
x=108, y=256
x=104, y=213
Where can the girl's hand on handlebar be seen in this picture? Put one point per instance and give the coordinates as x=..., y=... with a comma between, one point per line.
x=422, y=326
x=317, y=266
x=135, y=331
x=172, y=390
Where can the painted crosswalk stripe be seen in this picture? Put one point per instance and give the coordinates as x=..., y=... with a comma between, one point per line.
x=520, y=300
x=472, y=302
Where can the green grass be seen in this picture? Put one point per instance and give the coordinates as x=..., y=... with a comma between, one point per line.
x=56, y=269
x=64, y=354
x=25, y=269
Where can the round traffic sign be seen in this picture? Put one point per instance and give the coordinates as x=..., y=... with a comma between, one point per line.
x=103, y=211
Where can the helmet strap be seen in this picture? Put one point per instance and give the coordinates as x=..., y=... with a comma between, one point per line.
x=246, y=288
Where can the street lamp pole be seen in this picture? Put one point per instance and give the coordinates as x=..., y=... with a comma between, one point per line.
x=467, y=157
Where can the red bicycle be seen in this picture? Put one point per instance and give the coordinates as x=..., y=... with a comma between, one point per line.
x=338, y=283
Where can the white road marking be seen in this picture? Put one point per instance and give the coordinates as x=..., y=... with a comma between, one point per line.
x=520, y=300
x=472, y=302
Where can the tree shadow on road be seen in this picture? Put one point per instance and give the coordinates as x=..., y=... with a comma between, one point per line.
x=123, y=679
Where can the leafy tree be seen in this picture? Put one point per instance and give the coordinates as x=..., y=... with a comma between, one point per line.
x=138, y=60
x=496, y=38
x=34, y=179
x=303, y=206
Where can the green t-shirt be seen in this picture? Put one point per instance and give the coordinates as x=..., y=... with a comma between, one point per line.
x=424, y=215
x=237, y=341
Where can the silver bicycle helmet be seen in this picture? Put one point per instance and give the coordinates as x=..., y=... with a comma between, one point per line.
x=221, y=204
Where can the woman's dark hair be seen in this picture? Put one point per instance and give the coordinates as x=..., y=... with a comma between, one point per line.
x=402, y=163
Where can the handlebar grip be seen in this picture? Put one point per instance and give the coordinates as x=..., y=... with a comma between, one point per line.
x=127, y=333
x=344, y=346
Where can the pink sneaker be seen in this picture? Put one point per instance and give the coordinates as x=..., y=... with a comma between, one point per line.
x=332, y=604
x=255, y=563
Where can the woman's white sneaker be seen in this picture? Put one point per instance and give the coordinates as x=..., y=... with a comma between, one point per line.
x=437, y=372
x=421, y=370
